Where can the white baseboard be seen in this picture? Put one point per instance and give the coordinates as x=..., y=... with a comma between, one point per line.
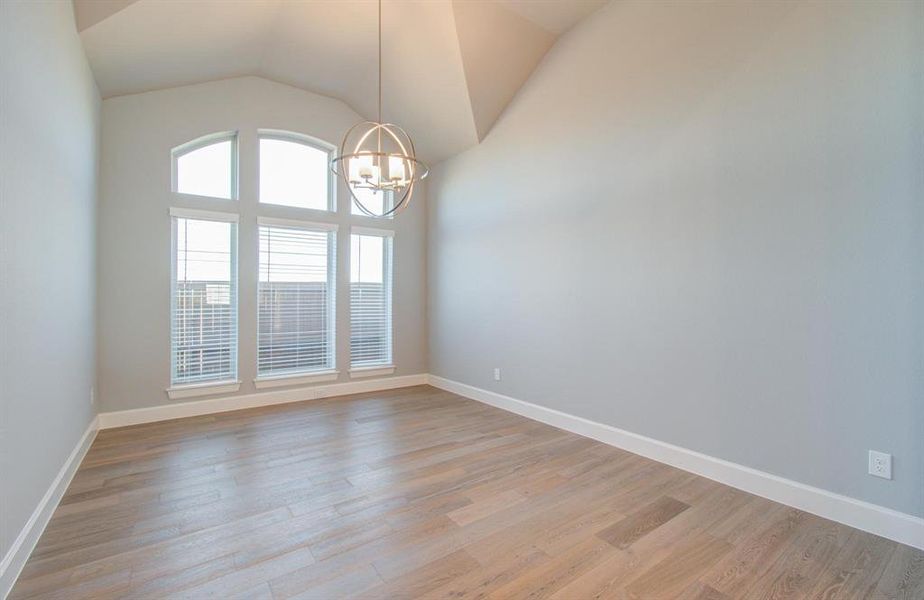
x=178, y=410
x=28, y=537
x=888, y=523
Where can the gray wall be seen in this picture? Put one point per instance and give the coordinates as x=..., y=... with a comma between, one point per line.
x=49, y=123
x=134, y=229
x=703, y=223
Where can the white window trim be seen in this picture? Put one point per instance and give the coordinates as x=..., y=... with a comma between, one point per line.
x=294, y=136
x=307, y=140
x=201, y=142
x=372, y=231
x=271, y=381
x=204, y=215
x=297, y=223
x=177, y=392
x=372, y=371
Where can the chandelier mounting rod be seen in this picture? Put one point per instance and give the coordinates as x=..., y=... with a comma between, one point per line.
x=369, y=167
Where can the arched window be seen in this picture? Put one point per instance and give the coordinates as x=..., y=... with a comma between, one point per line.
x=295, y=171
x=207, y=166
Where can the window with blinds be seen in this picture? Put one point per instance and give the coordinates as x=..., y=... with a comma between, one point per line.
x=370, y=298
x=296, y=297
x=204, y=298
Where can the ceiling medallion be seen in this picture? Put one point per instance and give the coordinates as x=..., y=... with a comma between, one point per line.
x=379, y=158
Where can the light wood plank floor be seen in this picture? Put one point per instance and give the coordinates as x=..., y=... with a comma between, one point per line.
x=418, y=493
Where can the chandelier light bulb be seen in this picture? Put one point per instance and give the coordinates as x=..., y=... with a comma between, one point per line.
x=364, y=161
x=396, y=168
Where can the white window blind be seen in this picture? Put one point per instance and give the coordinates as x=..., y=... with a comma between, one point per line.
x=370, y=298
x=204, y=299
x=296, y=298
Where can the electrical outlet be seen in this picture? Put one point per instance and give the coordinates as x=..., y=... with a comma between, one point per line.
x=496, y=374
x=92, y=396
x=880, y=464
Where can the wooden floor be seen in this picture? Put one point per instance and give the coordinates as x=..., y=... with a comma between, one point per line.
x=418, y=493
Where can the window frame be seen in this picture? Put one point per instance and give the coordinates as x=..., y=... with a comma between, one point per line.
x=329, y=373
x=388, y=275
x=305, y=140
x=201, y=142
x=338, y=216
x=178, y=390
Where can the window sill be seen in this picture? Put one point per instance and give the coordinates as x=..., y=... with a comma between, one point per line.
x=270, y=381
x=371, y=371
x=192, y=390
x=189, y=196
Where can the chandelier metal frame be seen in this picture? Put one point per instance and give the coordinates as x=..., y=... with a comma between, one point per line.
x=413, y=169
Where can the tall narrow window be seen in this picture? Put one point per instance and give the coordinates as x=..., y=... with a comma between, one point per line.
x=296, y=298
x=370, y=298
x=204, y=297
x=207, y=167
x=295, y=172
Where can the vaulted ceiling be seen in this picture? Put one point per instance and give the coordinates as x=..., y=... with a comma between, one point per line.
x=449, y=66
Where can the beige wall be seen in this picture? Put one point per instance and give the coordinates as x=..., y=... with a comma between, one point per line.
x=49, y=126
x=134, y=229
x=702, y=222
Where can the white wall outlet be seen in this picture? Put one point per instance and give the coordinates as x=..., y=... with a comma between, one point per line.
x=880, y=464
x=496, y=374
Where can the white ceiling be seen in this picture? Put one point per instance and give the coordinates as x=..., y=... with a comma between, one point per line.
x=555, y=16
x=449, y=66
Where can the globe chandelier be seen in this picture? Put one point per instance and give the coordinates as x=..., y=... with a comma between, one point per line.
x=379, y=158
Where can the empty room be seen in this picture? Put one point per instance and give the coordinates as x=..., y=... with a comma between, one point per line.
x=488, y=299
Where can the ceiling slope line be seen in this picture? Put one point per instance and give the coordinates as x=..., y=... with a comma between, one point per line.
x=450, y=67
